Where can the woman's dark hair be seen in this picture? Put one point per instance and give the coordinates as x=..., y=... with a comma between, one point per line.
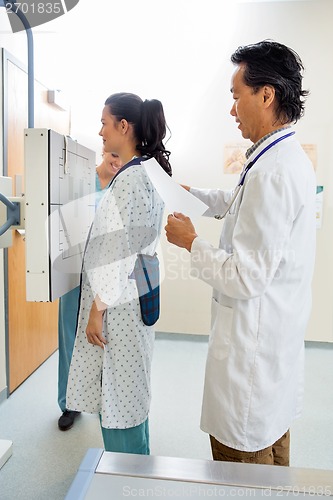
x=147, y=118
x=274, y=64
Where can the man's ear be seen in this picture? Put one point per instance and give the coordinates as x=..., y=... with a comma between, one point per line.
x=268, y=95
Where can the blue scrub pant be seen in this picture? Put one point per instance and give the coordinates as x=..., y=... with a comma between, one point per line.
x=132, y=440
x=67, y=320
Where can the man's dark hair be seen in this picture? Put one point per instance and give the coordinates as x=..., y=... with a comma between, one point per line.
x=271, y=63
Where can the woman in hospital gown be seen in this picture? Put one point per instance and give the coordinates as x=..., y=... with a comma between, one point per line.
x=111, y=364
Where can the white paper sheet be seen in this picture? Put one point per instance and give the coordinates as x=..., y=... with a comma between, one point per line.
x=176, y=198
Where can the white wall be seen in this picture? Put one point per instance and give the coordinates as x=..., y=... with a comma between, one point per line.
x=178, y=51
x=180, y=54
x=306, y=26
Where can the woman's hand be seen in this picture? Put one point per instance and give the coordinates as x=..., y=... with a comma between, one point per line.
x=95, y=326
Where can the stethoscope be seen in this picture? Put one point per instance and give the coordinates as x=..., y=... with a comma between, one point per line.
x=247, y=168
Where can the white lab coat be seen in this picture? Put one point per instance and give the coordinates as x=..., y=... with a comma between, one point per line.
x=261, y=276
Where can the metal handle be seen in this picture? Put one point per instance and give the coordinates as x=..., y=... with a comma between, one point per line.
x=13, y=214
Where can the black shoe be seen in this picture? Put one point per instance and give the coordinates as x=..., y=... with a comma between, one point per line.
x=66, y=420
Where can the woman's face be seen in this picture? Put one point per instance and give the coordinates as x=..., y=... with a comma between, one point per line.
x=110, y=132
x=112, y=162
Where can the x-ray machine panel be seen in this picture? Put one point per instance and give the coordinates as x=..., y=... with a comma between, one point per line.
x=59, y=210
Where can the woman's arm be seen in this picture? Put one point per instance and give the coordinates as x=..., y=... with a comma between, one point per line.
x=95, y=324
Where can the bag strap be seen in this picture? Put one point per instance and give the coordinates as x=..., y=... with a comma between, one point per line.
x=145, y=271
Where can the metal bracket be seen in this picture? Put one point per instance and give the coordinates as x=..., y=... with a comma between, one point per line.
x=14, y=213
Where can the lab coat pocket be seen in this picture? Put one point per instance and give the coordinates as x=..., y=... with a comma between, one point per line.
x=220, y=336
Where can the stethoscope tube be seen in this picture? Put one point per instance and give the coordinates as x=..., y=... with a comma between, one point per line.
x=233, y=199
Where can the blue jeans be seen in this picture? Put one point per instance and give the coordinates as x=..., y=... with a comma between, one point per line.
x=131, y=440
x=67, y=321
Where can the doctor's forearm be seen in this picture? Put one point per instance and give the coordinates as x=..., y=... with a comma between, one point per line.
x=216, y=199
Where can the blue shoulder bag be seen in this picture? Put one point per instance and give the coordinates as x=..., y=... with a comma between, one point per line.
x=147, y=276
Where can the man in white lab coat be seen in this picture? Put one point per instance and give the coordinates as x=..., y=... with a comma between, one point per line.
x=261, y=273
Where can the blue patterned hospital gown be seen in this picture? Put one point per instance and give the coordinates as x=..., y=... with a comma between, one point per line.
x=115, y=381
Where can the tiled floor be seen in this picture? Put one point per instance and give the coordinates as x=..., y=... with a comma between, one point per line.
x=45, y=460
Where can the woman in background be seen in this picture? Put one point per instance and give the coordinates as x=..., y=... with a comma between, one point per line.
x=69, y=303
x=111, y=364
